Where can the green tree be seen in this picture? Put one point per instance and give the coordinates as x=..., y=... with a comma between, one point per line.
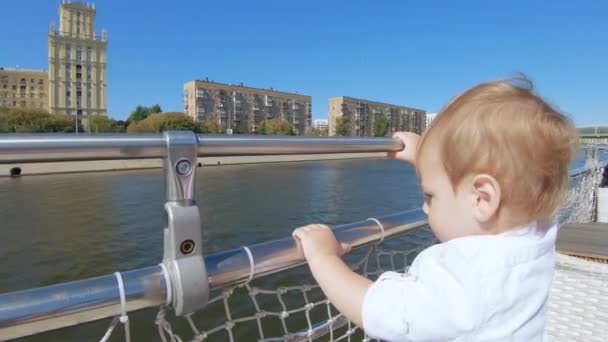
x=276, y=126
x=317, y=132
x=142, y=112
x=211, y=125
x=380, y=126
x=279, y=126
x=61, y=123
x=261, y=129
x=342, y=126
x=34, y=120
x=103, y=124
x=160, y=122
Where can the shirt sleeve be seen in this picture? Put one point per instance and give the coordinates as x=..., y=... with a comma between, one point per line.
x=428, y=303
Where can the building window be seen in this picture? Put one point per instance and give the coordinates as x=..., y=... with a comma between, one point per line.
x=68, y=93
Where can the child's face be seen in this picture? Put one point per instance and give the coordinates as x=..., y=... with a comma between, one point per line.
x=450, y=212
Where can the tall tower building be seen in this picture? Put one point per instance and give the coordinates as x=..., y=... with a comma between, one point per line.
x=77, y=63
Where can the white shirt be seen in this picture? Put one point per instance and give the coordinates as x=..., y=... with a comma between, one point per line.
x=474, y=288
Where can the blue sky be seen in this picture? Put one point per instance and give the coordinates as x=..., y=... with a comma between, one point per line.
x=414, y=53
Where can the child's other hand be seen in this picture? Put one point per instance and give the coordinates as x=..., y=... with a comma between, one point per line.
x=318, y=241
x=410, y=141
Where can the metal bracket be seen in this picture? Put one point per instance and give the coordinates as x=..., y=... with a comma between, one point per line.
x=183, y=250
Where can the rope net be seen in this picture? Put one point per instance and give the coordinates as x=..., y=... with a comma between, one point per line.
x=279, y=308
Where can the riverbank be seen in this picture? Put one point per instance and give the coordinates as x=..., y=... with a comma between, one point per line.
x=26, y=169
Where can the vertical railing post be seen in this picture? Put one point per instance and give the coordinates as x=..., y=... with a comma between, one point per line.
x=183, y=252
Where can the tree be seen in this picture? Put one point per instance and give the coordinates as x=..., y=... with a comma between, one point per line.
x=380, y=126
x=142, y=112
x=343, y=126
x=261, y=129
x=211, y=125
x=34, y=120
x=276, y=126
x=279, y=126
x=317, y=132
x=103, y=124
x=160, y=122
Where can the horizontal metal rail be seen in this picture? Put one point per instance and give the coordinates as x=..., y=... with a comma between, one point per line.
x=34, y=311
x=28, y=148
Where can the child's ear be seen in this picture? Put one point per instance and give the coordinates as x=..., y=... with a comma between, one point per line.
x=486, y=197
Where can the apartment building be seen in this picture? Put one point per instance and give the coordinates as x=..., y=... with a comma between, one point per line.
x=24, y=88
x=362, y=113
x=242, y=108
x=321, y=124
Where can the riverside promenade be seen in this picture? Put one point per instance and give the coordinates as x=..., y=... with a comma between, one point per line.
x=26, y=169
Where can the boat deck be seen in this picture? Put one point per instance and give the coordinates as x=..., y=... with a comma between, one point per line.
x=587, y=240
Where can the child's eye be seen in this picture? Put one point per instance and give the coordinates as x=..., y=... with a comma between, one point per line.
x=428, y=198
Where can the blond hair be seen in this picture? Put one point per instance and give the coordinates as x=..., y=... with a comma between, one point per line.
x=503, y=129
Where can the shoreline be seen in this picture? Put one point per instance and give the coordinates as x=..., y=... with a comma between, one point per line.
x=31, y=169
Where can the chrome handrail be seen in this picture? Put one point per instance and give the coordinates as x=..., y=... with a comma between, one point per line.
x=33, y=311
x=28, y=148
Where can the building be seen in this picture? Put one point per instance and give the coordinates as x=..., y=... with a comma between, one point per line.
x=321, y=124
x=430, y=118
x=362, y=113
x=242, y=108
x=24, y=88
x=77, y=63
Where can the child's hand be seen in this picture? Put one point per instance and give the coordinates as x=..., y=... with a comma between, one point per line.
x=408, y=154
x=318, y=241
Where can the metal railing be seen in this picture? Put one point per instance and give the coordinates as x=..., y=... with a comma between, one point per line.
x=184, y=277
x=26, y=148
